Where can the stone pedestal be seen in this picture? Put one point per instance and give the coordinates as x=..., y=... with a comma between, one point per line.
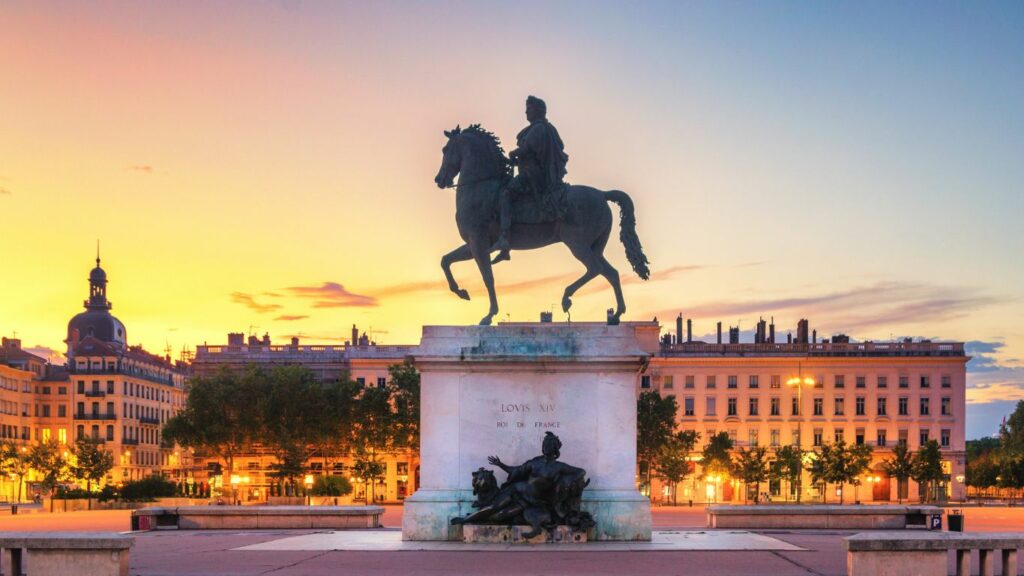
x=492, y=534
x=496, y=390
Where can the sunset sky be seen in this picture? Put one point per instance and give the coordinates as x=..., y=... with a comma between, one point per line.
x=268, y=166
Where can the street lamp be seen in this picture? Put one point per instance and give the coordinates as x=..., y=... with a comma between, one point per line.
x=308, y=481
x=799, y=381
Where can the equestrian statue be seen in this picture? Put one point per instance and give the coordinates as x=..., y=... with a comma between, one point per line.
x=499, y=211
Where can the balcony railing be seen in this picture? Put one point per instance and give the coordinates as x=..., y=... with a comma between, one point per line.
x=816, y=349
x=95, y=416
x=148, y=420
x=95, y=394
x=130, y=441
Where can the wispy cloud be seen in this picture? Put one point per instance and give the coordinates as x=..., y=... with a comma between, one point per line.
x=986, y=387
x=559, y=280
x=5, y=192
x=332, y=295
x=144, y=168
x=249, y=302
x=879, y=305
x=290, y=317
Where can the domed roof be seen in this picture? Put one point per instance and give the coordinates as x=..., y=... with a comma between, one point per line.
x=97, y=276
x=99, y=324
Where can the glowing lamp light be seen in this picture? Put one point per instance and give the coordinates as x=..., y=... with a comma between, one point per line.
x=308, y=480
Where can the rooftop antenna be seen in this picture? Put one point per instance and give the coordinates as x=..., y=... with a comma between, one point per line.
x=97, y=252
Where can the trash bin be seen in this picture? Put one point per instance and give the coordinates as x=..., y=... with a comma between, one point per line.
x=956, y=521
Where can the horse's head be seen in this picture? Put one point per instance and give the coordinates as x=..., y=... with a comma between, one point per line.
x=474, y=153
x=451, y=159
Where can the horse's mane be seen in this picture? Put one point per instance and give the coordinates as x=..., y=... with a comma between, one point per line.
x=494, y=145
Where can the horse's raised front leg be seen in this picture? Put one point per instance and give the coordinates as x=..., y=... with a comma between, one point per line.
x=460, y=254
x=481, y=253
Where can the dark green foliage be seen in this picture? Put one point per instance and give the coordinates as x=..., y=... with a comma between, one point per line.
x=148, y=489
x=716, y=457
x=788, y=465
x=899, y=466
x=927, y=468
x=331, y=486
x=673, y=462
x=751, y=466
x=655, y=428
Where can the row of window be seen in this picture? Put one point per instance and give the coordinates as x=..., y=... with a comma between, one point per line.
x=818, y=406
x=127, y=389
x=381, y=381
x=8, y=383
x=10, y=432
x=754, y=381
x=838, y=435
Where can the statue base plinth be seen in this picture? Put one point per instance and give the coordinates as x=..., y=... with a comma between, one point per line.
x=497, y=534
x=495, y=390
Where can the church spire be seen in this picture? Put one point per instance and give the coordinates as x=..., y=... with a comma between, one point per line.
x=97, y=286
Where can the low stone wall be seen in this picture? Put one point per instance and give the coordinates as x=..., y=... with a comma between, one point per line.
x=851, y=517
x=257, y=517
x=78, y=553
x=79, y=504
x=926, y=553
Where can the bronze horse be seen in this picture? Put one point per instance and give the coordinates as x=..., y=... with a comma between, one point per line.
x=476, y=156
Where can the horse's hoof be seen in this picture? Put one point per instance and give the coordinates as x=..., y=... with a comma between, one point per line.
x=462, y=293
x=486, y=321
x=566, y=304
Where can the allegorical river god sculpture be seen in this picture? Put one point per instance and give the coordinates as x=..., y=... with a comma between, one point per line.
x=497, y=210
x=541, y=492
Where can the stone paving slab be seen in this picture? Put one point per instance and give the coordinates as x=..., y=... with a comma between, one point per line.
x=391, y=540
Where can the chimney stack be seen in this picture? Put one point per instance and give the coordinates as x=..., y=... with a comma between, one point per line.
x=734, y=335
x=771, y=331
x=759, y=336
x=679, y=327
x=689, y=329
x=801, y=331
x=789, y=338
x=719, y=328
x=546, y=317
x=814, y=337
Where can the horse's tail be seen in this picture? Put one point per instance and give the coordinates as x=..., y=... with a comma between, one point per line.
x=627, y=232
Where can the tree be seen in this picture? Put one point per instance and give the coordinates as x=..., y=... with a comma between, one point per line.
x=788, y=466
x=673, y=462
x=899, y=466
x=295, y=416
x=927, y=468
x=829, y=466
x=404, y=382
x=655, y=427
x=91, y=463
x=220, y=415
x=751, y=466
x=331, y=486
x=715, y=458
x=14, y=461
x=370, y=471
x=858, y=462
x=47, y=459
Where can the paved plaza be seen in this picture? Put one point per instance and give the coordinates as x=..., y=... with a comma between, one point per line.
x=681, y=546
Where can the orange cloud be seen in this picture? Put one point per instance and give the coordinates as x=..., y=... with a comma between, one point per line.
x=332, y=295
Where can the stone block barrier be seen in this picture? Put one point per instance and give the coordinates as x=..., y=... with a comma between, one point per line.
x=926, y=553
x=256, y=517
x=78, y=553
x=821, y=516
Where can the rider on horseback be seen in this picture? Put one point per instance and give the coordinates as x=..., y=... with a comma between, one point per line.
x=541, y=158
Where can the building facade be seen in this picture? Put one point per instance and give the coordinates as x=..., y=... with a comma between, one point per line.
x=807, y=393
x=359, y=359
x=121, y=395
